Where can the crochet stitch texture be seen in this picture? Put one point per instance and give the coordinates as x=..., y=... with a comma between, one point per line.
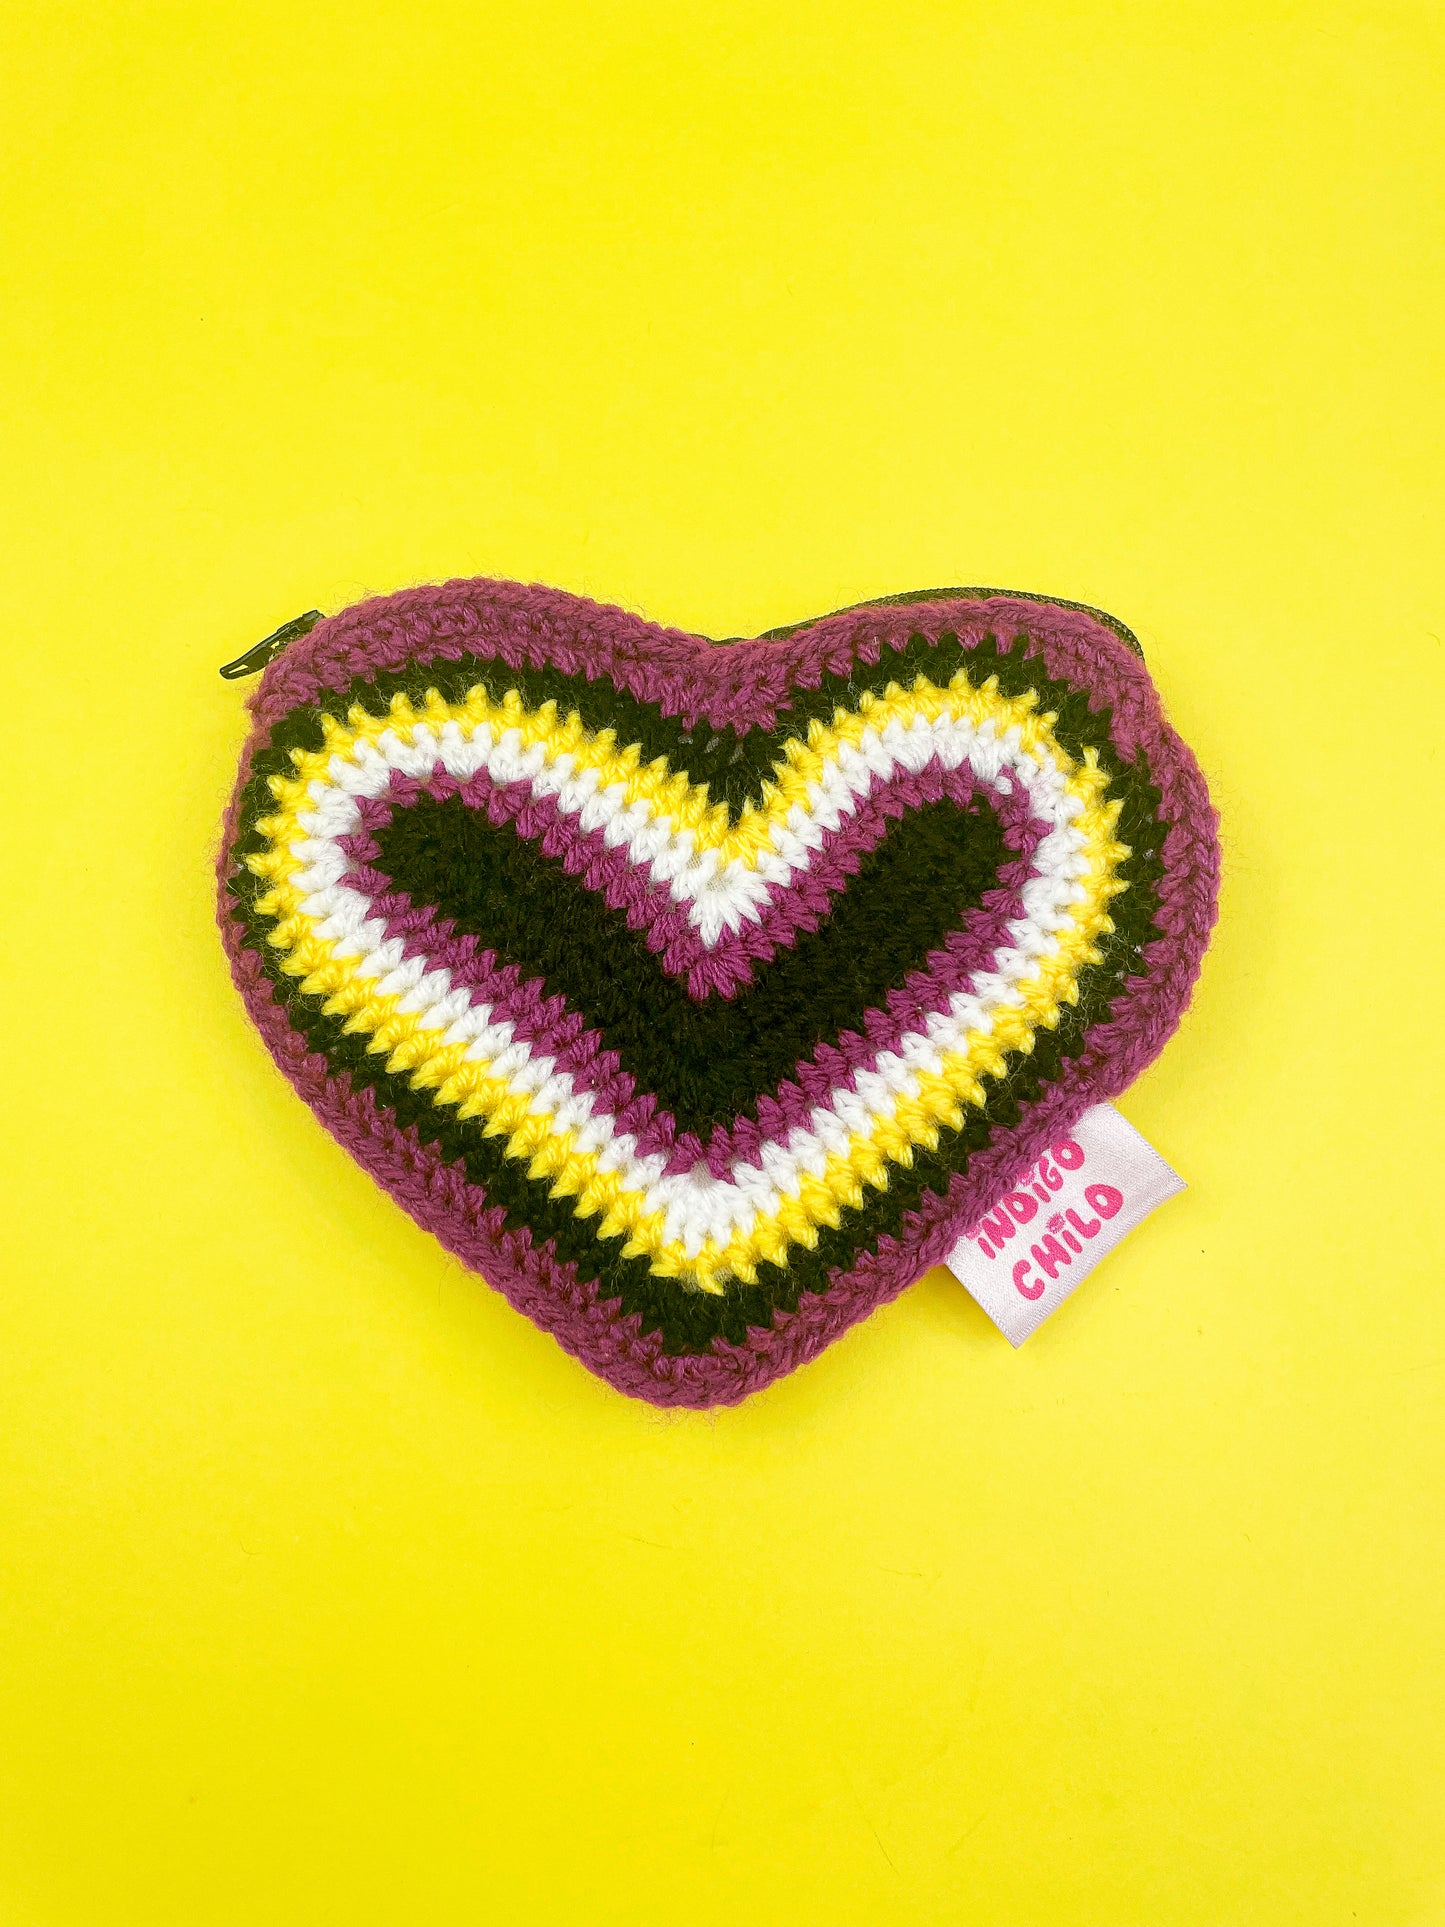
x=698, y=995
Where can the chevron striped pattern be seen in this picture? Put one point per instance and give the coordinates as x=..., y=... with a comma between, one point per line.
x=696, y=994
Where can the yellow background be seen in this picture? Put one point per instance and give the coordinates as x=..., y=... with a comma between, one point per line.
x=331, y=1591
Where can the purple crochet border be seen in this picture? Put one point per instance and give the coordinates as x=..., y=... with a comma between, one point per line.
x=746, y=684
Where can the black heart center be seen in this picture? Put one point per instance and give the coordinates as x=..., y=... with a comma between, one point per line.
x=709, y=1061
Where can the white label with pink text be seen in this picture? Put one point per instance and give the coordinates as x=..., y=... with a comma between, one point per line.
x=1059, y=1218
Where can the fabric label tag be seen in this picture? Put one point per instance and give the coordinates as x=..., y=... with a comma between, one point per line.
x=1061, y=1216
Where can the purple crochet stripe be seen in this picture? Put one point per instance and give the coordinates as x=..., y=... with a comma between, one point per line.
x=650, y=908
x=546, y=1290
x=725, y=967
x=746, y=684
x=627, y=886
x=549, y=1025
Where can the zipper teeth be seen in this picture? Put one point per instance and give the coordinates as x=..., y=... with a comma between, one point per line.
x=260, y=654
x=972, y=594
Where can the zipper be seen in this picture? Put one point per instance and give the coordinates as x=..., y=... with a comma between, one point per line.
x=270, y=647
x=266, y=651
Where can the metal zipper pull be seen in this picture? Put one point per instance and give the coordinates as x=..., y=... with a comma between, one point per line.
x=257, y=657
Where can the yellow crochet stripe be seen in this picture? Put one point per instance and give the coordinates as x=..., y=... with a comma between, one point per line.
x=665, y=791
x=530, y=1131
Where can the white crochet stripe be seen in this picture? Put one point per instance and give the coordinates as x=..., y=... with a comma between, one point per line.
x=718, y=895
x=697, y=1205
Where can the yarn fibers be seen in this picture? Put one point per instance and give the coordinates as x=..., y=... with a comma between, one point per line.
x=699, y=996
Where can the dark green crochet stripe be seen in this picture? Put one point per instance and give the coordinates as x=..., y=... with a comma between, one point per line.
x=688, y=1321
x=734, y=764
x=910, y=891
x=1077, y=727
x=707, y=1062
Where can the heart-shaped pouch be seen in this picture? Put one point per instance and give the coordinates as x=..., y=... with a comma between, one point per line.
x=700, y=995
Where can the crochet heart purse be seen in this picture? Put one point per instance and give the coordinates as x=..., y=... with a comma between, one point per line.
x=699, y=996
